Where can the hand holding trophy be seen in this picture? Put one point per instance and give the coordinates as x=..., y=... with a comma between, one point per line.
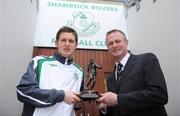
x=88, y=93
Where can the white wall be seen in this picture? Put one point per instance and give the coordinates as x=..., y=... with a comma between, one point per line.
x=18, y=23
x=155, y=28
x=179, y=39
x=178, y=86
x=0, y=43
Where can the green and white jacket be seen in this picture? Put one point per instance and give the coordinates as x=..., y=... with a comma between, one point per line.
x=42, y=86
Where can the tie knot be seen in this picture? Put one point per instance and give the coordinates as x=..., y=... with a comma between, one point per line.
x=119, y=66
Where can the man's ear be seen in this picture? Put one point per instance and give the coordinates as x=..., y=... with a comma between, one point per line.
x=126, y=41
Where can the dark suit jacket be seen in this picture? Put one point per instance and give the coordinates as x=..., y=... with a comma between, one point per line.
x=141, y=90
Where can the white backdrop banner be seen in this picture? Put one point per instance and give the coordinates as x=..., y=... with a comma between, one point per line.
x=91, y=20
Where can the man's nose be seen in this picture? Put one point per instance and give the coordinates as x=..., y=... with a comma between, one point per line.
x=67, y=42
x=114, y=44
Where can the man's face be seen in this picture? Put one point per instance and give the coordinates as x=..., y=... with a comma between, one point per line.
x=66, y=44
x=117, y=45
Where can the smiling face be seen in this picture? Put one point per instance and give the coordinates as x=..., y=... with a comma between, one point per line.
x=117, y=45
x=66, y=44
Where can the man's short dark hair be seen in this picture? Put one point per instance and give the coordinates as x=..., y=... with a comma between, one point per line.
x=66, y=29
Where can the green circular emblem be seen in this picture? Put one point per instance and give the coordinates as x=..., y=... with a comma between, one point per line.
x=84, y=23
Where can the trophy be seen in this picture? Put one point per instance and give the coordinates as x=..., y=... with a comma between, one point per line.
x=88, y=93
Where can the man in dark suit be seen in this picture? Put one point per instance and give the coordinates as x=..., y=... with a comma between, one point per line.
x=138, y=87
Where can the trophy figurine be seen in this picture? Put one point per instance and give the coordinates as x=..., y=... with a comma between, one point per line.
x=88, y=93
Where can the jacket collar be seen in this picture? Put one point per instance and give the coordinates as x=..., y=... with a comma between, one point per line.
x=130, y=63
x=63, y=60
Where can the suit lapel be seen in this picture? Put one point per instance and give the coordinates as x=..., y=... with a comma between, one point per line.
x=112, y=84
x=127, y=68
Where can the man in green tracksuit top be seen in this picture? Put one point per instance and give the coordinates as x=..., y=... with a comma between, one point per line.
x=50, y=85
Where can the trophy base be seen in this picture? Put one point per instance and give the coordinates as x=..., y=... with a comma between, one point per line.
x=89, y=95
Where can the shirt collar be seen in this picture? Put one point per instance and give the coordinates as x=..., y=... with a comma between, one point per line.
x=124, y=60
